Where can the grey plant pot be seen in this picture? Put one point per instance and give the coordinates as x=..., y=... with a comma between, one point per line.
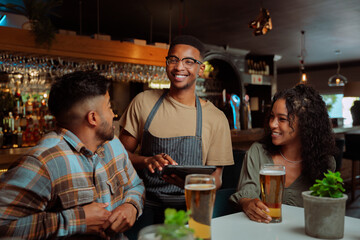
x=324, y=217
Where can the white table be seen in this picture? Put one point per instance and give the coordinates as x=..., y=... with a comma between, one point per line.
x=239, y=226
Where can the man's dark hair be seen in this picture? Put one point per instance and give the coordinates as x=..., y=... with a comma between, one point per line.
x=189, y=40
x=73, y=88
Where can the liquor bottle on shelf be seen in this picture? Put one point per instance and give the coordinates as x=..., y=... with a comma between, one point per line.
x=8, y=123
x=23, y=120
x=11, y=122
x=19, y=137
x=29, y=107
x=28, y=137
x=36, y=132
x=258, y=67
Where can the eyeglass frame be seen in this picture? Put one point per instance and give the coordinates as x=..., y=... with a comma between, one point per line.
x=181, y=60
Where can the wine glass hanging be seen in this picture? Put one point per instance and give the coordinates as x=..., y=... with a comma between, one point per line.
x=36, y=73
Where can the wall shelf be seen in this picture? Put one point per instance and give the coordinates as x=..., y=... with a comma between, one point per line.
x=82, y=47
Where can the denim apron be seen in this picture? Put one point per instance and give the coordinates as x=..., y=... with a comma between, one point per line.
x=185, y=150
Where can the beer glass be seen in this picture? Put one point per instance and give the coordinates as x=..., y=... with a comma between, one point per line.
x=200, y=197
x=272, y=182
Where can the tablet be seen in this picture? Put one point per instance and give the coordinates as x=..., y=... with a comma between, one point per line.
x=184, y=170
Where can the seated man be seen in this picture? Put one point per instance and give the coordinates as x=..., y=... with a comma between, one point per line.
x=78, y=180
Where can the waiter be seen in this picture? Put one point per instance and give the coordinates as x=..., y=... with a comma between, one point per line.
x=175, y=127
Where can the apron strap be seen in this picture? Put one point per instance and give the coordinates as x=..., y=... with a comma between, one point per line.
x=198, y=117
x=154, y=110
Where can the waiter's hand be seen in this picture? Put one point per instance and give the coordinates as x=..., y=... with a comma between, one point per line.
x=255, y=209
x=158, y=162
x=174, y=179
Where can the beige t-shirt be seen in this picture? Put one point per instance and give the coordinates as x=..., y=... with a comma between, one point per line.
x=175, y=119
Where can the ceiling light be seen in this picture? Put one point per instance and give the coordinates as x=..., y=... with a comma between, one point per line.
x=337, y=80
x=303, y=79
x=262, y=24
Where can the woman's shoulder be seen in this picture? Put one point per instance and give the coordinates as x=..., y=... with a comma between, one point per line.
x=257, y=149
x=256, y=146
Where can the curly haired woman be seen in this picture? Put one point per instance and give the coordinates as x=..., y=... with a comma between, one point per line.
x=299, y=136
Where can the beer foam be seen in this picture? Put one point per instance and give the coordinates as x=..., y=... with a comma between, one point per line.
x=271, y=172
x=200, y=187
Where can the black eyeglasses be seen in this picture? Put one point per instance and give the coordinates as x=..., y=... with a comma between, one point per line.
x=187, y=62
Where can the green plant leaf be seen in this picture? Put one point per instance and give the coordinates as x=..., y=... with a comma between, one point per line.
x=330, y=186
x=175, y=222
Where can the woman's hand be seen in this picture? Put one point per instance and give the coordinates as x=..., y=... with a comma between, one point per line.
x=255, y=209
x=158, y=162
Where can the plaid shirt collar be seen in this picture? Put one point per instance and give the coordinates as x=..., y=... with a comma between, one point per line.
x=76, y=143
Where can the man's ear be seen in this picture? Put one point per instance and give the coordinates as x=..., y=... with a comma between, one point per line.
x=92, y=118
x=201, y=70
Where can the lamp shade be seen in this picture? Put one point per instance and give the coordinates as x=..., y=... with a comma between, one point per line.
x=337, y=80
x=352, y=89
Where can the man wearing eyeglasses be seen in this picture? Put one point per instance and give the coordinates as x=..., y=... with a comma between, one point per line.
x=175, y=127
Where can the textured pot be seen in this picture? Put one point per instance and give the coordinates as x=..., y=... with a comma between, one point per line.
x=324, y=217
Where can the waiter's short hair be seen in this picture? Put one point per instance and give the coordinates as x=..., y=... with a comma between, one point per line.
x=189, y=40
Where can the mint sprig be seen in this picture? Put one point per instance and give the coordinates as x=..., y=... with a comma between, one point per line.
x=174, y=225
x=330, y=186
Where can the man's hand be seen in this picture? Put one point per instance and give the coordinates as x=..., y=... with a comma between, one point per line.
x=122, y=218
x=158, y=162
x=96, y=216
x=255, y=209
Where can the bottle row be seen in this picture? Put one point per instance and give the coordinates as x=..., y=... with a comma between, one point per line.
x=23, y=122
x=258, y=67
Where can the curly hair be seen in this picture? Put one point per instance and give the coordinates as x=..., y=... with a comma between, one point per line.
x=317, y=138
x=73, y=88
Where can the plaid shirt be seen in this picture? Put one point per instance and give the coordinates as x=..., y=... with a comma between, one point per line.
x=42, y=194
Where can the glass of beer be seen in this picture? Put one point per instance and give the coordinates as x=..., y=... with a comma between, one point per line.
x=200, y=192
x=272, y=182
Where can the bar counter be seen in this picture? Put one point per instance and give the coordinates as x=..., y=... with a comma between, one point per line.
x=241, y=140
x=9, y=155
x=345, y=129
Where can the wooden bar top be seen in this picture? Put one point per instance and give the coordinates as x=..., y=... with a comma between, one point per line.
x=9, y=155
x=242, y=139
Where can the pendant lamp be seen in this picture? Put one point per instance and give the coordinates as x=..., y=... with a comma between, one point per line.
x=337, y=80
x=303, y=79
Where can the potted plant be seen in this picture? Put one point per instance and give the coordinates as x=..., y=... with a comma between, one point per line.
x=38, y=12
x=174, y=227
x=324, y=207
